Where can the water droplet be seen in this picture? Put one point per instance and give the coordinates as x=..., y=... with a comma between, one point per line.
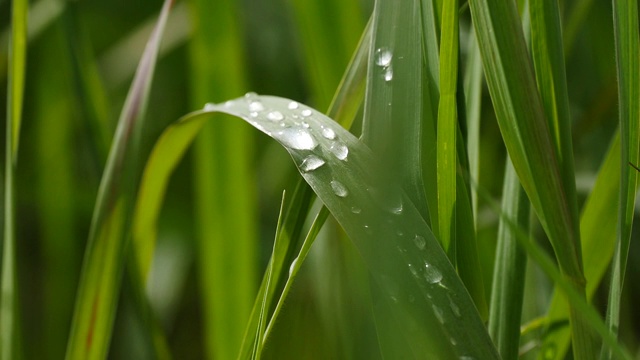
x=305, y=124
x=209, y=106
x=298, y=139
x=367, y=229
x=394, y=299
x=455, y=309
x=328, y=133
x=453, y=341
x=256, y=106
x=400, y=233
x=253, y=114
x=292, y=266
x=293, y=105
x=397, y=209
x=275, y=116
x=466, y=357
x=340, y=150
x=339, y=189
x=306, y=112
x=250, y=95
x=438, y=313
x=229, y=103
x=383, y=57
x=356, y=210
x=432, y=274
x=311, y=163
x=388, y=74
x=420, y=242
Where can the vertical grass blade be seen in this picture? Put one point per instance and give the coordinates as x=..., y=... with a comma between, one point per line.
x=529, y=141
x=106, y=249
x=509, y=270
x=393, y=103
x=223, y=190
x=9, y=318
x=447, y=129
x=625, y=22
x=598, y=229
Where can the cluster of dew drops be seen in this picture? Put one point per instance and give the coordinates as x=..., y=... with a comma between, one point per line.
x=383, y=57
x=296, y=131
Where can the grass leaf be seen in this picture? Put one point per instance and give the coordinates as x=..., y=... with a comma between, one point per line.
x=106, y=249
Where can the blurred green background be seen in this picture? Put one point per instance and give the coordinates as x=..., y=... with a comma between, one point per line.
x=81, y=59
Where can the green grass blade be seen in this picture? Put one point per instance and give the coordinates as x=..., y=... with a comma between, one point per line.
x=447, y=126
x=9, y=318
x=473, y=90
x=625, y=22
x=509, y=270
x=105, y=255
x=225, y=205
x=342, y=185
x=393, y=103
x=328, y=32
x=529, y=141
x=598, y=229
x=576, y=299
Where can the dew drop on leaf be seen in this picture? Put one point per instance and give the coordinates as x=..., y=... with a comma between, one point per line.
x=293, y=105
x=388, y=74
x=383, y=57
x=432, y=274
x=339, y=189
x=293, y=266
x=420, y=242
x=306, y=112
x=311, y=163
x=339, y=150
x=328, y=133
x=438, y=313
x=455, y=309
x=356, y=210
x=298, y=139
x=256, y=106
x=209, y=106
x=275, y=116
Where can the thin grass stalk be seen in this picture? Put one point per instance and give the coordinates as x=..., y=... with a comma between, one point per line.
x=625, y=23
x=9, y=316
x=509, y=270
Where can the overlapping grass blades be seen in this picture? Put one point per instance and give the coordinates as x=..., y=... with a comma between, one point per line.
x=106, y=250
x=9, y=321
x=529, y=141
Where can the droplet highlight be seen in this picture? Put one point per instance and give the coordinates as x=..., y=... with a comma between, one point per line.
x=388, y=74
x=431, y=274
x=297, y=139
x=383, y=57
x=339, y=150
x=292, y=267
x=306, y=112
x=339, y=189
x=356, y=210
x=256, y=106
x=311, y=163
x=293, y=105
x=438, y=313
x=275, y=116
x=328, y=133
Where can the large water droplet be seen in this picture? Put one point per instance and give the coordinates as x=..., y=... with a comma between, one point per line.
x=339, y=189
x=293, y=105
x=383, y=57
x=275, y=116
x=253, y=114
x=311, y=163
x=256, y=106
x=328, y=133
x=298, y=139
x=250, y=95
x=420, y=242
x=306, y=112
x=432, y=274
x=388, y=74
x=339, y=150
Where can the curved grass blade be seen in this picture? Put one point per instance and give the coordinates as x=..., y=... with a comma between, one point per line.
x=398, y=247
x=509, y=270
x=529, y=142
x=106, y=249
x=598, y=229
x=9, y=315
x=625, y=23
